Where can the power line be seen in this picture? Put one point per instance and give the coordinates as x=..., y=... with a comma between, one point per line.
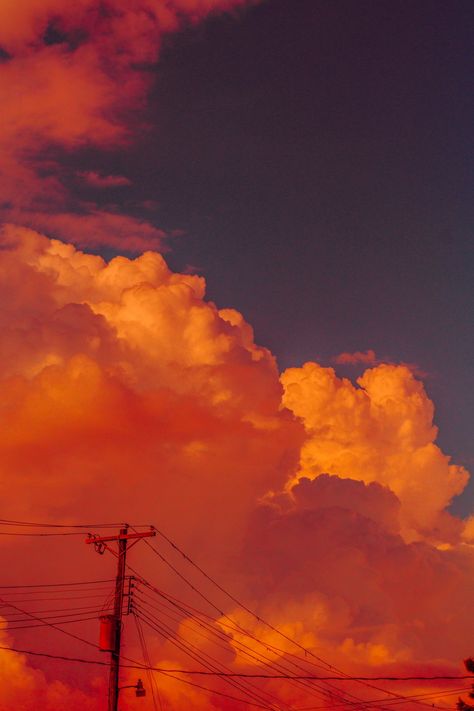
x=128, y=666
x=363, y=680
x=312, y=691
x=366, y=682
x=36, y=524
x=411, y=698
x=63, y=622
x=197, y=672
x=217, y=633
x=147, y=660
x=310, y=687
x=35, y=599
x=236, y=627
x=56, y=656
x=50, y=624
x=205, y=659
x=37, y=535
x=339, y=678
x=82, y=608
x=143, y=667
x=55, y=585
x=213, y=671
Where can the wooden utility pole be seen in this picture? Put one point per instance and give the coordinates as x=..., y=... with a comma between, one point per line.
x=118, y=604
x=100, y=544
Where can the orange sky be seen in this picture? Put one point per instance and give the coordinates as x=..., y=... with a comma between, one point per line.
x=126, y=395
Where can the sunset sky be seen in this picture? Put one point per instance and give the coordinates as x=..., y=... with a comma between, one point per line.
x=235, y=276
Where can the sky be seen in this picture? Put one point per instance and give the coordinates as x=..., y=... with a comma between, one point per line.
x=235, y=261
x=330, y=153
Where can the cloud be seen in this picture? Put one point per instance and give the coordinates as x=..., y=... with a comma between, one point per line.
x=75, y=76
x=379, y=431
x=96, y=180
x=98, y=227
x=30, y=689
x=124, y=393
x=367, y=358
x=352, y=587
x=91, y=351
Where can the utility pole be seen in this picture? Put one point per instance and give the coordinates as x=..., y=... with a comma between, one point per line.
x=100, y=545
x=118, y=603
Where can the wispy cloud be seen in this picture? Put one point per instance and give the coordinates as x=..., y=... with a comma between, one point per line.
x=97, y=180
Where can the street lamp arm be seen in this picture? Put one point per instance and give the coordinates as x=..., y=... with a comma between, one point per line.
x=140, y=689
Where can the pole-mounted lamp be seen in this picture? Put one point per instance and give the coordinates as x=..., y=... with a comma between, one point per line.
x=139, y=688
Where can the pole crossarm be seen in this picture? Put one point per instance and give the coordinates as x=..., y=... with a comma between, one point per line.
x=93, y=538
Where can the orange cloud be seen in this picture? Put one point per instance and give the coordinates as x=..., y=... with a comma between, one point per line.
x=319, y=502
x=352, y=587
x=381, y=431
x=104, y=227
x=127, y=395
x=30, y=689
x=73, y=77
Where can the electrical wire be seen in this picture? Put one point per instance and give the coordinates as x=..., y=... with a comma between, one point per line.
x=56, y=585
x=393, y=701
x=72, y=610
x=52, y=625
x=35, y=535
x=55, y=599
x=128, y=666
x=147, y=660
x=413, y=698
x=327, y=690
x=36, y=524
x=63, y=622
x=241, y=647
x=248, y=610
x=165, y=670
x=186, y=646
x=207, y=661
x=143, y=668
x=344, y=678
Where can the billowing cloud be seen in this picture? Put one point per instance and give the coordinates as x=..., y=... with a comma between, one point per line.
x=352, y=587
x=379, y=431
x=126, y=395
x=321, y=503
x=124, y=357
x=73, y=76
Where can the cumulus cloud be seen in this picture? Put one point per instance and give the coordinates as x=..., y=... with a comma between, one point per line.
x=124, y=357
x=352, y=587
x=380, y=430
x=124, y=393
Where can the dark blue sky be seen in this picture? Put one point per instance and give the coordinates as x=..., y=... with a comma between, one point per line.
x=318, y=157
